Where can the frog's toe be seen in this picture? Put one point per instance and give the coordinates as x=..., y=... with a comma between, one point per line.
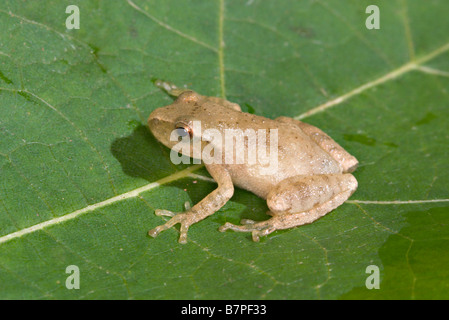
x=247, y=226
x=256, y=234
x=155, y=232
x=257, y=229
x=164, y=213
x=227, y=226
x=247, y=221
x=168, y=213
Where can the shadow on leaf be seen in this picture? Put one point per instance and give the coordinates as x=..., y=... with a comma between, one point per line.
x=141, y=155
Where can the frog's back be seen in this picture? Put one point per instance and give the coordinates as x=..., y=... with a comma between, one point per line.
x=295, y=154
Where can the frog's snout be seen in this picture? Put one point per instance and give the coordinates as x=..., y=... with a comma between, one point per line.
x=152, y=122
x=154, y=119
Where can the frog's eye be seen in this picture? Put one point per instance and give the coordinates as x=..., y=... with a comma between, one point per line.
x=183, y=130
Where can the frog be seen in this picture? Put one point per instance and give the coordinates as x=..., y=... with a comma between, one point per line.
x=313, y=174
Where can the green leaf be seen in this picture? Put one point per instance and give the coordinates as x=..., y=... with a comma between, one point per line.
x=81, y=176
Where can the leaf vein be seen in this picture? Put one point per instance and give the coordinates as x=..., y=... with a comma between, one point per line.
x=413, y=65
x=120, y=197
x=170, y=28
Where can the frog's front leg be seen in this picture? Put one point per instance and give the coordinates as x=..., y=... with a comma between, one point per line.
x=174, y=91
x=300, y=200
x=210, y=204
x=169, y=87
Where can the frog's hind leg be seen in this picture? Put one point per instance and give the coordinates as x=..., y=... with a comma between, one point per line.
x=300, y=200
x=347, y=161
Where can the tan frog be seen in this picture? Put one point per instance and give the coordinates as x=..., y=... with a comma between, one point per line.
x=311, y=179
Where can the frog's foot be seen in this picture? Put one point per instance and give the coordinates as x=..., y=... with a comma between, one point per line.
x=186, y=219
x=169, y=87
x=257, y=229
